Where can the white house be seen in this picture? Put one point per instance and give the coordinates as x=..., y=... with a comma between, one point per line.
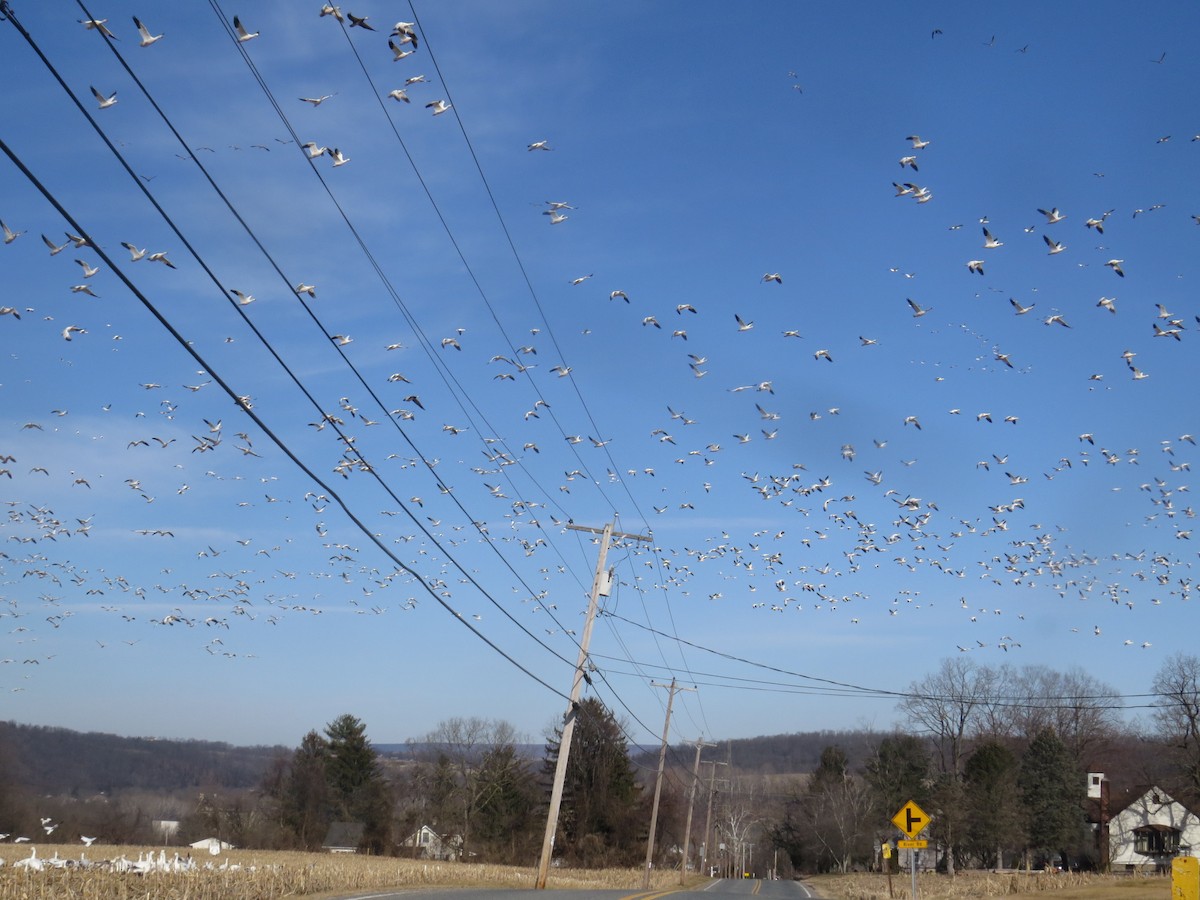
x=428, y=844
x=1151, y=831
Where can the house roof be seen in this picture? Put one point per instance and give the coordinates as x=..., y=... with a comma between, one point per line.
x=1119, y=805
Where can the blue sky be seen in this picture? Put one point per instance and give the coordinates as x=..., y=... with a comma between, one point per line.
x=170, y=570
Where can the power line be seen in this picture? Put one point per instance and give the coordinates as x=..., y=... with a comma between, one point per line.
x=238, y=400
x=354, y=454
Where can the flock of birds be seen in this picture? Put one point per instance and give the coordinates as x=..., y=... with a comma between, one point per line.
x=147, y=863
x=830, y=521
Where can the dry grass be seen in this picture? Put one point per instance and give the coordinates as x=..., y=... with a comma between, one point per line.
x=266, y=875
x=1063, y=886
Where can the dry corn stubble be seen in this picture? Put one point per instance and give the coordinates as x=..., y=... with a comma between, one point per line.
x=266, y=875
x=1072, y=885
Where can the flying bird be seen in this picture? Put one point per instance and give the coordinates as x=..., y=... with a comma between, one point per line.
x=242, y=34
x=438, y=106
x=146, y=36
x=317, y=101
x=55, y=249
x=398, y=52
x=10, y=235
x=97, y=25
x=105, y=102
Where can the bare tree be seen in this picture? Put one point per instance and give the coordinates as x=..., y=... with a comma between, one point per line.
x=1177, y=716
x=1078, y=707
x=739, y=815
x=947, y=705
x=841, y=819
x=457, y=747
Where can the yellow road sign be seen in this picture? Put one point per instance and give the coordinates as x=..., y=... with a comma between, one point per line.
x=911, y=819
x=912, y=845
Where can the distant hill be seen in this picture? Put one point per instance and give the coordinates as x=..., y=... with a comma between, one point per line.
x=60, y=761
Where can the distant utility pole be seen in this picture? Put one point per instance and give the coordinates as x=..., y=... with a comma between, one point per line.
x=687, y=829
x=662, y=761
x=712, y=784
x=601, y=585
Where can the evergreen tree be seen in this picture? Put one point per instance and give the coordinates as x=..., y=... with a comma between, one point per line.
x=306, y=805
x=1052, y=791
x=507, y=818
x=599, y=823
x=992, y=805
x=359, y=792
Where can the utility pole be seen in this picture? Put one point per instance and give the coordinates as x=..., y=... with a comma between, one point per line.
x=601, y=586
x=687, y=830
x=662, y=761
x=712, y=783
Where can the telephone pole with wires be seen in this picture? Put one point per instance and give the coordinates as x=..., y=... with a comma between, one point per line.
x=712, y=789
x=687, y=829
x=662, y=761
x=601, y=587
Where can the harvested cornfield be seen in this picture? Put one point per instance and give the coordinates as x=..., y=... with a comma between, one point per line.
x=132, y=873
x=1062, y=885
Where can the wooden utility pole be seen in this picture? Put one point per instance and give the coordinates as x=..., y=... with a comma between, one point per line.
x=662, y=761
x=601, y=585
x=687, y=829
x=712, y=783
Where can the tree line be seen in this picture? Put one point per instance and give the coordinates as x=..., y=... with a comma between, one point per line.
x=996, y=755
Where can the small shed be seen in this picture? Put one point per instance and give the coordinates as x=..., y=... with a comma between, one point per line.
x=344, y=837
x=212, y=845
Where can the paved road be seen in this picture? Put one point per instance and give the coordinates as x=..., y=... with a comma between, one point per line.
x=740, y=889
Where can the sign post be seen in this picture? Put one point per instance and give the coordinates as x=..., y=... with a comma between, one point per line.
x=912, y=820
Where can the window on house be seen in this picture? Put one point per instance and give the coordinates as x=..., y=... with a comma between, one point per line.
x=1156, y=840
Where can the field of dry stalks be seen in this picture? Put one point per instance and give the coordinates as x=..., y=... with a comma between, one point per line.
x=1060, y=886
x=266, y=875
